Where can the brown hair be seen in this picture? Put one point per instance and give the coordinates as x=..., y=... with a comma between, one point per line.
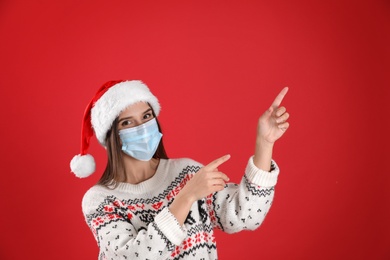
x=115, y=169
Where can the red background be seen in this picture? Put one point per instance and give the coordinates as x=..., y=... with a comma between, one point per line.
x=215, y=67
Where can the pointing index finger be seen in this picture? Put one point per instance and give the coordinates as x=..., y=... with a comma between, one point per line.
x=214, y=164
x=279, y=97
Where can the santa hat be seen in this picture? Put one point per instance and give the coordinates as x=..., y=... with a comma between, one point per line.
x=110, y=100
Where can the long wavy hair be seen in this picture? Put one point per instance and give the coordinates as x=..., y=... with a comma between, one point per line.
x=115, y=169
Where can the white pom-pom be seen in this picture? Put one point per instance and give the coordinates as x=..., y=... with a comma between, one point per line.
x=83, y=165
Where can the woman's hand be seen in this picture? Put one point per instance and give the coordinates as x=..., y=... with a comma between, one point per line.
x=273, y=123
x=206, y=181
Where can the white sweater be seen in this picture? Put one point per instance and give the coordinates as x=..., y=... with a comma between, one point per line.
x=134, y=222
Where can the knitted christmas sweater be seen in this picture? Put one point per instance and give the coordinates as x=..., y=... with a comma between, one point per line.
x=134, y=222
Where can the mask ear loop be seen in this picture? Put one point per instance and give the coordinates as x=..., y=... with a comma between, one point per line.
x=162, y=150
x=154, y=116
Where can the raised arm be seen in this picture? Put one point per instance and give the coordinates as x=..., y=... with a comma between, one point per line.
x=271, y=126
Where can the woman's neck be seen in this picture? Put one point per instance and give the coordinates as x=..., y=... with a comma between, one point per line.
x=138, y=171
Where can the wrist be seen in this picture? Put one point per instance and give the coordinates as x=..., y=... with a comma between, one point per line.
x=186, y=197
x=263, y=154
x=263, y=143
x=181, y=206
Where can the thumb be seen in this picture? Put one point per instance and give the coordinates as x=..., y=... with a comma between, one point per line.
x=268, y=112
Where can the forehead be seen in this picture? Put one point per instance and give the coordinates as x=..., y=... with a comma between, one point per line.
x=135, y=109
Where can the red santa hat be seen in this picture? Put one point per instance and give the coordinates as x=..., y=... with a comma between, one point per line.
x=109, y=101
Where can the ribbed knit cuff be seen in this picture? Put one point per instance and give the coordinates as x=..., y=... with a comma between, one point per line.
x=260, y=177
x=170, y=227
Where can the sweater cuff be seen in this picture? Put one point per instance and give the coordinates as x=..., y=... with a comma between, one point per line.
x=170, y=227
x=260, y=177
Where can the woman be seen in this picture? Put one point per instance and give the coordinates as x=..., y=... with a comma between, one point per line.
x=146, y=206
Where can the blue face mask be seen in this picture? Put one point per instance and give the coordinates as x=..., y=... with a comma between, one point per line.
x=141, y=142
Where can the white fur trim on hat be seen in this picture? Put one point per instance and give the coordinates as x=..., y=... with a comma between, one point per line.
x=115, y=100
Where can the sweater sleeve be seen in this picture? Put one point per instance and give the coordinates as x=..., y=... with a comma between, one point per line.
x=245, y=205
x=120, y=234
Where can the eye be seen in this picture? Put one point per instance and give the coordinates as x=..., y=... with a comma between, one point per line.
x=148, y=116
x=125, y=123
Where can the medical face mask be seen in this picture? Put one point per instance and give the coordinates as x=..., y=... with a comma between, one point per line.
x=141, y=142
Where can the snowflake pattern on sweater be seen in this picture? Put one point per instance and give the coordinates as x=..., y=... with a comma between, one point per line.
x=134, y=222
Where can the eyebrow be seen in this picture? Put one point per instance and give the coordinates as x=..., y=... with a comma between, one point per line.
x=125, y=118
